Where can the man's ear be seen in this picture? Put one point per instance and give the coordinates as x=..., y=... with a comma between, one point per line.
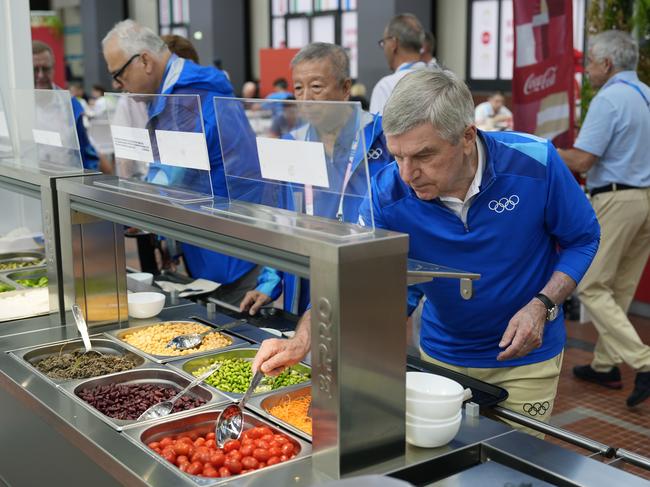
x=469, y=139
x=147, y=61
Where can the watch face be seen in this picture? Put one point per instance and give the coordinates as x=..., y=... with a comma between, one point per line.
x=552, y=313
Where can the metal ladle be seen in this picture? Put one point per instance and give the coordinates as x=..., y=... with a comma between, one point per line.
x=230, y=422
x=192, y=340
x=163, y=408
x=83, y=329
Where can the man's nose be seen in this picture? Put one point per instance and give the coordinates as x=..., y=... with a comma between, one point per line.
x=408, y=171
x=117, y=85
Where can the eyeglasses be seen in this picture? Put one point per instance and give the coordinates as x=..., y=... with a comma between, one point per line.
x=116, y=74
x=383, y=40
x=42, y=69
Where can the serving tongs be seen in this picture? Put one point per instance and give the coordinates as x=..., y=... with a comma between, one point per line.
x=193, y=340
x=83, y=329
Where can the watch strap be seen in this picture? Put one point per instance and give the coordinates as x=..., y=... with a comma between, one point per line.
x=546, y=300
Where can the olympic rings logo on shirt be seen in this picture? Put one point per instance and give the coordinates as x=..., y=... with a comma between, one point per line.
x=375, y=153
x=504, y=204
x=536, y=408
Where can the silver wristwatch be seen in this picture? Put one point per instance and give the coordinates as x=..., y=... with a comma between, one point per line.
x=552, y=309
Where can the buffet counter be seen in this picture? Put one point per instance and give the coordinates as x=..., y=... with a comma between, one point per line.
x=51, y=437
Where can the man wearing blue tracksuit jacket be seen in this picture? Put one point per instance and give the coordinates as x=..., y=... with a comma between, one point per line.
x=140, y=62
x=500, y=204
x=321, y=72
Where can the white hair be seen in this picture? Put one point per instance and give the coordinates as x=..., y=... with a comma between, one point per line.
x=617, y=46
x=134, y=38
x=432, y=96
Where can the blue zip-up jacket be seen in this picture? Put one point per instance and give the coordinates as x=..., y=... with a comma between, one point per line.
x=296, y=290
x=185, y=77
x=89, y=156
x=529, y=219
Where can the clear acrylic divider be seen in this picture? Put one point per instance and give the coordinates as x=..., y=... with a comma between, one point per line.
x=160, y=147
x=296, y=164
x=47, y=136
x=6, y=146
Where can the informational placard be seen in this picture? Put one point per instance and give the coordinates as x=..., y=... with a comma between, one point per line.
x=47, y=137
x=485, y=24
x=132, y=143
x=183, y=149
x=4, y=128
x=293, y=161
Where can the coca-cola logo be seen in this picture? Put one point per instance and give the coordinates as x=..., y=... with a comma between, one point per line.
x=540, y=82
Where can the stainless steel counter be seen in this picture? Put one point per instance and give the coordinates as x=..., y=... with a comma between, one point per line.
x=49, y=438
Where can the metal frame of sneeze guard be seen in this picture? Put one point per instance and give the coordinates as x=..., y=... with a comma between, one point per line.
x=358, y=291
x=160, y=147
x=298, y=164
x=6, y=145
x=47, y=136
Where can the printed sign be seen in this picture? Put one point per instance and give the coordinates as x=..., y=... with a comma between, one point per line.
x=131, y=143
x=293, y=161
x=183, y=149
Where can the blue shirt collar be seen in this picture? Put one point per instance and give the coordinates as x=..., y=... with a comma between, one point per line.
x=630, y=76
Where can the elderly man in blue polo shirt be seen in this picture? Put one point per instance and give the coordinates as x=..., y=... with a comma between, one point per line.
x=500, y=204
x=613, y=148
x=140, y=62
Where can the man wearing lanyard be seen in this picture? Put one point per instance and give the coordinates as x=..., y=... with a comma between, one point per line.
x=613, y=148
x=140, y=62
x=402, y=43
x=321, y=72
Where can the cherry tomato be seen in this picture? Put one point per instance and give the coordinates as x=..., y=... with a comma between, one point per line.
x=255, y=432
x=210, y=436
x=233, y=465
x=211, y=444
x=261, y=455
x=182, y=459
x=280, y=438
x=268, y=438
x=274, y=451
x=153, y=445
x=235, y=455
x=287, y=449
x=231, y=445
x=246, y=450
x=273, y=460
x=200, y=441
x=181, y=448
x=195, y=468
x=210, y=472
x=166, y=441
x=224, y=472
x=201, y=454
x=247, y=441
x=284, y=458
x=250, y=463
x=217, y=459
x=261, y=444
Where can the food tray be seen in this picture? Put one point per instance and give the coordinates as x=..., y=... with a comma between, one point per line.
x=152, y=375
x=161, y=359
x=262, y=402
x=205, y=421
x=29, y=356
x=189, y=365
x=31, y=258
x=9, y=277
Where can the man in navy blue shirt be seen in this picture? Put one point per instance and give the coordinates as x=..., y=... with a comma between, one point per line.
x=500, y=204
x=612, y=148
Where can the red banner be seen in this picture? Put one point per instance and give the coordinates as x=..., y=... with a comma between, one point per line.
x=542, y=82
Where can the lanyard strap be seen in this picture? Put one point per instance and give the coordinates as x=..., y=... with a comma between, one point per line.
x=632, y=85
x=407, y=66
x=309, y=190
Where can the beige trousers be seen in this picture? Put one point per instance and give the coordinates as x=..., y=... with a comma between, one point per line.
x=531, y=388
x=609, y=285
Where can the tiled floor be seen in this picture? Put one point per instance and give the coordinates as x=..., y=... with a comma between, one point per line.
x=594, y=411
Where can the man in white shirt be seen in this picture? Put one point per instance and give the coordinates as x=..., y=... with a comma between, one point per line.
x=402, y=42
x=492, y=112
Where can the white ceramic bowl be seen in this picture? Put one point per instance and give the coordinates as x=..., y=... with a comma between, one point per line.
x=430, y=436
x=431, y=387
x=143, y=277
x=413, y=419
x=434, y=410
x=145, y=305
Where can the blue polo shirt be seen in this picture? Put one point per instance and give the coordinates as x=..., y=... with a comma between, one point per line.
x=529, y=219
x=617, y=130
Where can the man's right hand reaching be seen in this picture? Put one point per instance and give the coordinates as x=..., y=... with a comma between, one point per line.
x=276, y=354
x=253, y=301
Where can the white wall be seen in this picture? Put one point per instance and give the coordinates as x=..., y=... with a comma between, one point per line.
x=451, y=28
x=260, y=31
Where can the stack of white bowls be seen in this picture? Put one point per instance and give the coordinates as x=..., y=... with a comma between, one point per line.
x=433, y=409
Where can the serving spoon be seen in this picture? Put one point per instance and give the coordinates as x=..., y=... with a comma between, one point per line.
x=192, y=340
x=83, y=329
x=230, y=422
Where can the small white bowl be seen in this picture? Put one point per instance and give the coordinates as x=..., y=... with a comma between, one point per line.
x=143, y=277
x=431, y=387
x=145, y=305
x=413, y=419
x=272, y=331
x=434, y=410
x=431, y=436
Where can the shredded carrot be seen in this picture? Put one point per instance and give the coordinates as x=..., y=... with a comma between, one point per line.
x=294, y=412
